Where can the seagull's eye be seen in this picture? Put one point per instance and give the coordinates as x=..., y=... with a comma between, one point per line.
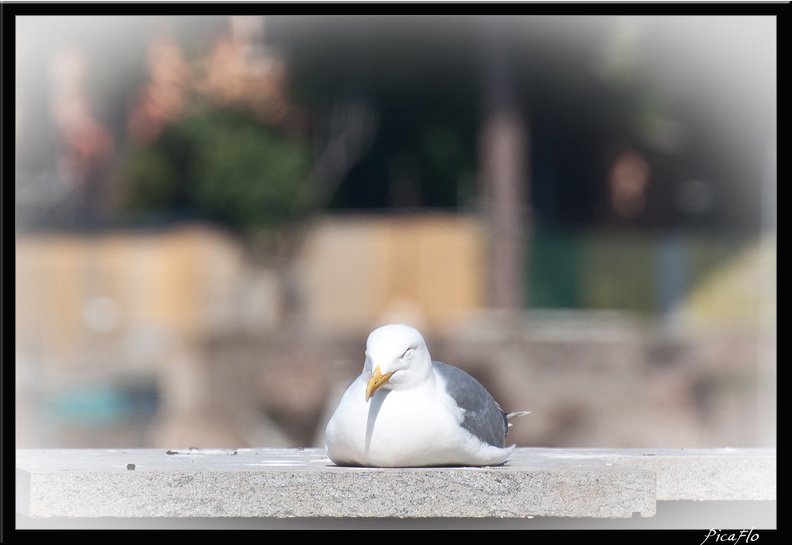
x=407, y=353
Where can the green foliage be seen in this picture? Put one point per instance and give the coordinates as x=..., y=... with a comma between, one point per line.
x=225, y=165
x=153, y=181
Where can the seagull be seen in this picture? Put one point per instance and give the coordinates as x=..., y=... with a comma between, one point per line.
x=405, y=410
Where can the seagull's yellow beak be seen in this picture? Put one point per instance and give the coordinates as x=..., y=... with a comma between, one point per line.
x=376, y=382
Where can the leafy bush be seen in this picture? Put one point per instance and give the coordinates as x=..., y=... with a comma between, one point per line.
x=225, y=165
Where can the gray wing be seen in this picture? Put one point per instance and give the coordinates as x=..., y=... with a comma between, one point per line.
x=483, y=416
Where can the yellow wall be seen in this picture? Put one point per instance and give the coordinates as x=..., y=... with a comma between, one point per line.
x=739, y=294
x=363, y=271
x=76, y=293
x=188, y=282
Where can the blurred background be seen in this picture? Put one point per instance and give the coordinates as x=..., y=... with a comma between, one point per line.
x=213, y=212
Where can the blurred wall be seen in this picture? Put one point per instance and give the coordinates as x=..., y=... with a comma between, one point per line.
x=109, y=288
x=428, y=270
x=189, y=327
x=99, y=313
x=115, y=292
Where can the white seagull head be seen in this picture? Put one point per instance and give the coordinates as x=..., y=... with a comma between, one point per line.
x=396, y=359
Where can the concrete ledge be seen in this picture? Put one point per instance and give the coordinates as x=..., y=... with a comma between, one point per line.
x=727, y=474
x=291, y=483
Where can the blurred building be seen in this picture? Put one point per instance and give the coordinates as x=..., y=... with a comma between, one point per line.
x=637, y=272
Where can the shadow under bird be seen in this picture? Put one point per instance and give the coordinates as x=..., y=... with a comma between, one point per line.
x=405, y=410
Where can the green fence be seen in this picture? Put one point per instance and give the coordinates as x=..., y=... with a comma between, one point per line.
x=641, y=272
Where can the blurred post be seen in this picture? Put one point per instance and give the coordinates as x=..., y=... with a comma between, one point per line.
x=504, y=157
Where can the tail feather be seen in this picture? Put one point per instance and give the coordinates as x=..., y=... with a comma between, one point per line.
x=515, y=414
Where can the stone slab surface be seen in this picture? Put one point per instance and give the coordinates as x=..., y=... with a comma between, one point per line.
x=725, y=474
x=289, y=483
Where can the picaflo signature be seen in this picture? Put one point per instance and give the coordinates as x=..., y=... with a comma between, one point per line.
x=731, y=536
